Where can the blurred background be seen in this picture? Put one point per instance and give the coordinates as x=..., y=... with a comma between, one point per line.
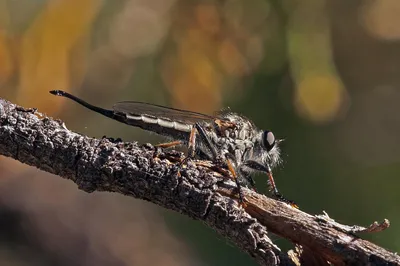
x=322, y=74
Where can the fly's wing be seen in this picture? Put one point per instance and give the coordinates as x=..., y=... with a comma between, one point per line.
x=158, y=111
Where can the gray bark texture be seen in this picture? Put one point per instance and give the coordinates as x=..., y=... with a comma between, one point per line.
x=201, y=191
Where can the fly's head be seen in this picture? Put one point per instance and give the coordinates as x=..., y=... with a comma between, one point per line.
x=266, y=149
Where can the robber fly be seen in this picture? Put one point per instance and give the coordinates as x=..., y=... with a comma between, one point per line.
x=227, y=137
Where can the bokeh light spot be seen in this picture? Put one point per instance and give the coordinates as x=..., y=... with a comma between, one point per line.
x=381, y=19
x=319, y=98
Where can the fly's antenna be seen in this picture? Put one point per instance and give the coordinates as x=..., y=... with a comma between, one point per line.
x=105, y=112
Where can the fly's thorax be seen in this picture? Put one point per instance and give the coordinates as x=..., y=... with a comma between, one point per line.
x=233, y=134
x=241, y=128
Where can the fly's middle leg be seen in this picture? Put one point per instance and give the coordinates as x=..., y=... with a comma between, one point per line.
x=207, y=142
x=191, y=149
x=217, y=158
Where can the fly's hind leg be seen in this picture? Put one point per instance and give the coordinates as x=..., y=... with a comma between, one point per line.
x=166, y=145
x=191, y=149
x=198, y=129
x=206, y=140
x=169, y=144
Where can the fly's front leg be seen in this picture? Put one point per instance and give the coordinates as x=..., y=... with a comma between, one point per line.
x=266, y=169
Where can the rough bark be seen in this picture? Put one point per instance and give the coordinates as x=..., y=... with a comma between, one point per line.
x=201, y=191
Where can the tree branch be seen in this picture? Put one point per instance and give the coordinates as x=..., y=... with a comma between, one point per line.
x=199, y=191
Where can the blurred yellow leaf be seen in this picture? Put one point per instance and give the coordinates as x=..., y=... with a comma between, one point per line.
x=320, y=98
x=320, y=94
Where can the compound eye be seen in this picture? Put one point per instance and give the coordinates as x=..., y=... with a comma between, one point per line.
x=269, y=140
